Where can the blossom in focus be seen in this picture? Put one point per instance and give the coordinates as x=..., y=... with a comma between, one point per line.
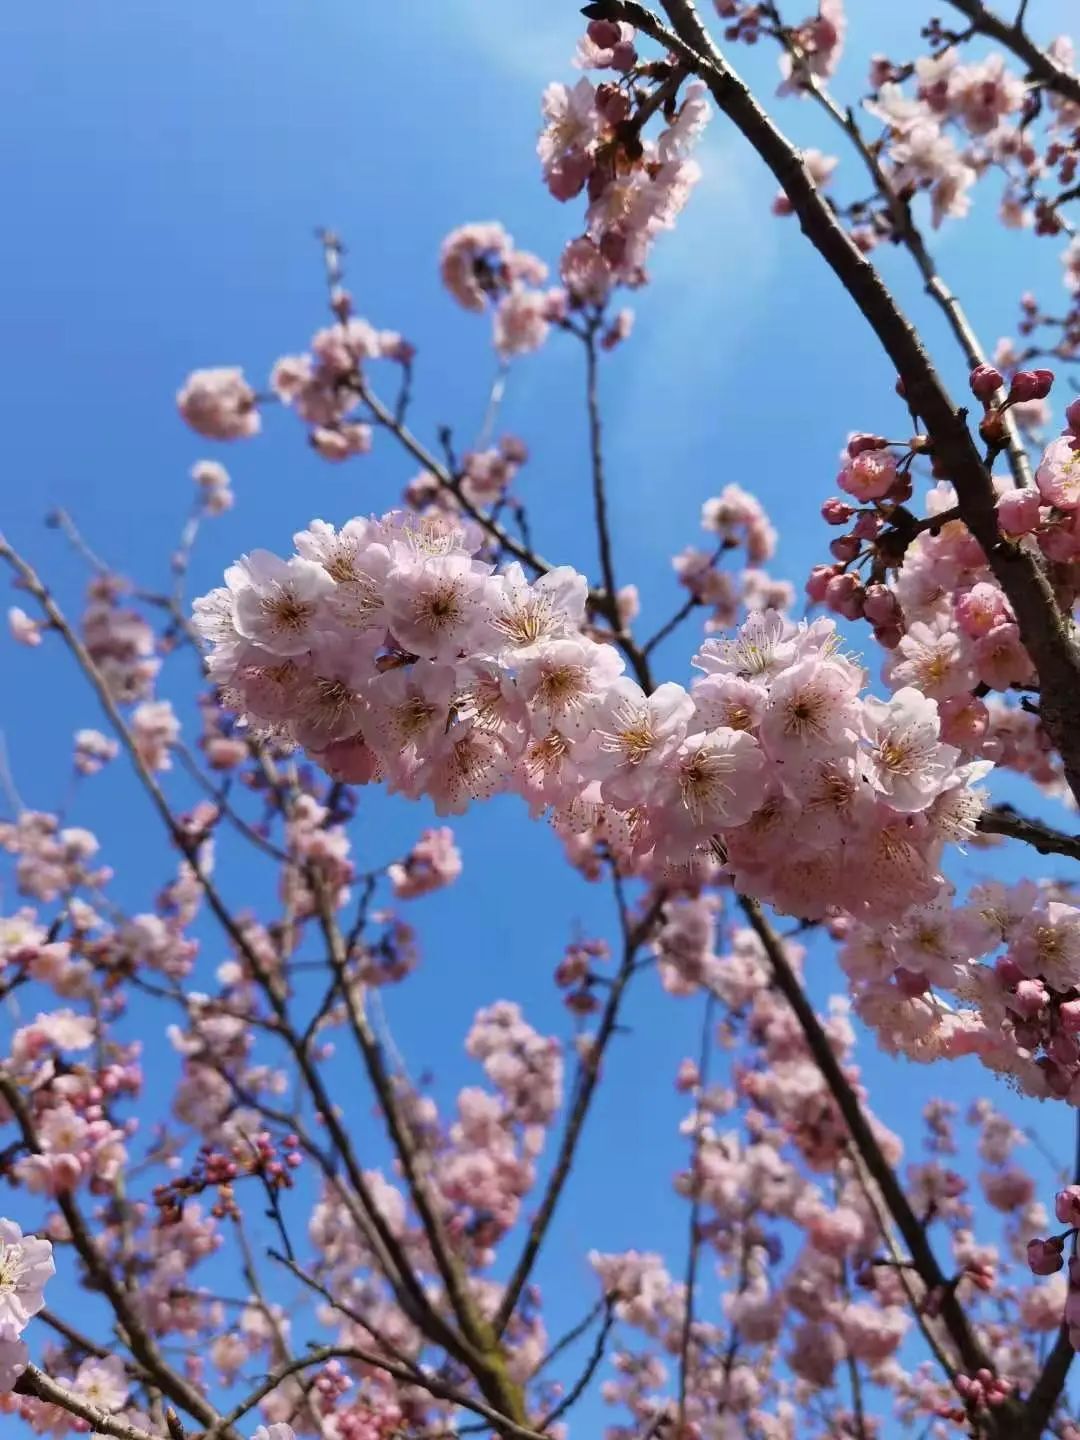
x=26, y=1264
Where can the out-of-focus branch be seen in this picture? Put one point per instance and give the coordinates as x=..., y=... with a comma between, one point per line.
x=36, y=1383
x=1041, y=66
x=1003, y=820
x=1048, y=1388
x=581, y=1384
x=503, y=1425
x=694, y=1247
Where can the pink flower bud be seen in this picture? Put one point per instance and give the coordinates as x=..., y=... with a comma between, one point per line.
x=910, y=982
x=1007, y=971
x=985, y=382
x=845, y=548
x=1067, y=1205
x=818, y=582
x=844, y=594
x=861, y=441
x=836, y=511
x=605, y=34
x=888, y=636
x=880, y=605
x=1069, y=1016
x=1031, y=385
x=1030, y=998
x=1072, y=416
x=1064, y=1049
x=1044, y=1257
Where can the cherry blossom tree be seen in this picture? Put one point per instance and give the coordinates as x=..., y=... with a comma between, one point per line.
x=841, y=739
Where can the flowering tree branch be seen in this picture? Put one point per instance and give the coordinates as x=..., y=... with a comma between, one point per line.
x=1046, y=633
x=1041, y=66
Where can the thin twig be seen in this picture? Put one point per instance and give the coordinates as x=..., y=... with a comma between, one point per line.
x=694, y=1249
x=588, y=1078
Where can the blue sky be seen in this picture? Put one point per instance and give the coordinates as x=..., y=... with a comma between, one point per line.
x=165, y=168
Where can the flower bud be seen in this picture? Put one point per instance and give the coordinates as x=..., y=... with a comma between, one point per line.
x=604, y=34
x=880, y=605
x=845, y=548
x=844, y=594
x=985, y=382
x=836, y=511
x=1067, y=1205
x=1044, y=1257
x=1030, y=998
x=860, y=442
x=818, y=582
x=1031, y=385
x=1018, y=512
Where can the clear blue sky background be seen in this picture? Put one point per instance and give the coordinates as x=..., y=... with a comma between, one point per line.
x=163, y=170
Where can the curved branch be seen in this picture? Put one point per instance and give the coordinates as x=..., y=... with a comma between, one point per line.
x=1003, y=820
x=39, y=1386
x=1041, y=66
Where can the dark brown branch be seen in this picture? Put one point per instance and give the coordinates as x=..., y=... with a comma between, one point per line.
x=490, y=1371
x=881, y=1172
x=1048, y=1388
x=599, y=488
x=583, y=1381
x=1003, y=820
x=405, y=1375
x=36, y=1383
x=1041, y=66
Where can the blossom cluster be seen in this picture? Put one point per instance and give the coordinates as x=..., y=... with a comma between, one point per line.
x=389, y=651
